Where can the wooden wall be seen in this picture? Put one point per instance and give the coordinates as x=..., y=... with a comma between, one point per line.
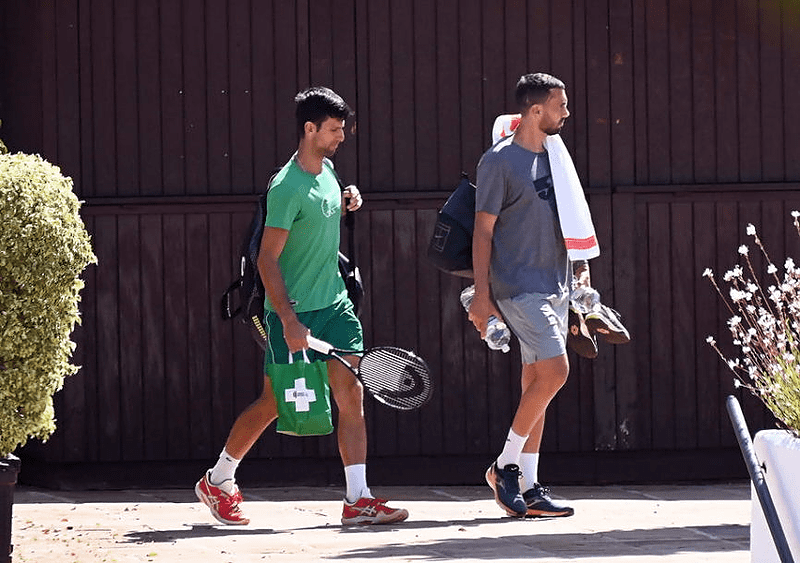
x=169, y=117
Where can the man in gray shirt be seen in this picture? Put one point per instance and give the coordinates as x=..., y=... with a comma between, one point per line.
x=523, y=275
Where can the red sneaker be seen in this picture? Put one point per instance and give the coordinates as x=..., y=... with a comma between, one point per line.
x=224, y=505
x=371, y=511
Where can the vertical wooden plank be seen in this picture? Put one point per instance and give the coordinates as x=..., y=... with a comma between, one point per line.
x=748, y=95
x=703, y=89
x=628, y=381
x=598, y=95
x=384, y=320
x=576, y=131
x=26, y=58
x=726, y=82
x=603, y=368
x=708, y=365
x=402, y=96
x=680, y=85
x=49, y=85
x=172, y=98
x=108, y=359
x=562, y=65
x=621, y=93
x=640, y=67
x=285, y=53
x=195, y=98
x=495, y=86
x=302, y=38
x=199, y=307
x=127, y=112
x=448, y=104
x=156, y=406
x=425, y=133
x=791, y=84
x=381, y=169
x=221, y=272
x=85, y=188
x=104, y=118
x=176, y=338
x=362, y=101
x=407, y=317
x=218, y=111
x=130, y=335
x=364, y=250
x=661, y=321
x=431, y=338
x=148, y=101
x=658, y=89
x=515, y=49
x=771, y=99
x=320, y=49
x=344, y=65
x=456, y=405
x=262, y=147
x=474, y=136
x=538, y=33
x=242, y=141
x=684, y=338
x=68, y=99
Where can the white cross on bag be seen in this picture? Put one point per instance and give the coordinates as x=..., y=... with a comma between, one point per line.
x=300, y=395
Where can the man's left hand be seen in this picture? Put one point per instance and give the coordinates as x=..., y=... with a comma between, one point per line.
x=351, y=198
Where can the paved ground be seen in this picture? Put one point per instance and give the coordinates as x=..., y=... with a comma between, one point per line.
x=639, y=524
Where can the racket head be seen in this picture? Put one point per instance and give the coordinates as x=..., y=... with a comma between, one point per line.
x=395, y=377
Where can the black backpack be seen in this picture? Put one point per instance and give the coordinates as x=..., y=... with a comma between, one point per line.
x=450, y=247
x=247, y=289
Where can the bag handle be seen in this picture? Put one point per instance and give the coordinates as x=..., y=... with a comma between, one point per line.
x=305, y=357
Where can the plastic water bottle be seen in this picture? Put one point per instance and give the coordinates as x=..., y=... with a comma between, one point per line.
x=587, y=299
x=497, y=333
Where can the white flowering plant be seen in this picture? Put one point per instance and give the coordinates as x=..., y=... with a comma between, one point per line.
x=765, y=325
x=44, y=247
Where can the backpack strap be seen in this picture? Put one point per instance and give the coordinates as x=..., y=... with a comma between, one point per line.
x=349, y=219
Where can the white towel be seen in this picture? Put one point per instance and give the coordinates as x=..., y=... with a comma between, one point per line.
x=573, y=211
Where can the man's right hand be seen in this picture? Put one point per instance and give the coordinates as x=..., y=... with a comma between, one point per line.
x=481, y=308
x=295, y=334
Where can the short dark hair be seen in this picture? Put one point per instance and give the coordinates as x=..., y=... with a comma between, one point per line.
x=316, y=104
x=535, y=89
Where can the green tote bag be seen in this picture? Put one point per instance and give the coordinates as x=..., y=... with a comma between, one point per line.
x=303, y=397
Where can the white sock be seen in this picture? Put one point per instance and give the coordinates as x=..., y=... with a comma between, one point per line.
x=355, y=477
x=512, y=449
x=225, y=469
x=529, y=466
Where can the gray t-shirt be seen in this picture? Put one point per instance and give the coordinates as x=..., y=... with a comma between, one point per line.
x=528, y=251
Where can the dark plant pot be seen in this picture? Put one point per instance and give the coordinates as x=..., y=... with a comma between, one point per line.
x=9, y=468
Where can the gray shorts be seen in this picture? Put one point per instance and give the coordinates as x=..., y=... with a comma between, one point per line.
x=539, y=321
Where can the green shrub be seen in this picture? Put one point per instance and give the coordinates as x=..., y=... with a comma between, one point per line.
x=44, y=247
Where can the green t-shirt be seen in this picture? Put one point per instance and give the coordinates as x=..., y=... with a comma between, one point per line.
x=310, y=208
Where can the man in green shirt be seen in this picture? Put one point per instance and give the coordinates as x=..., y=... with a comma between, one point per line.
x=305, y=294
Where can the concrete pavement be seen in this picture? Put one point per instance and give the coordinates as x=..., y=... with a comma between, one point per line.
x=642, y=524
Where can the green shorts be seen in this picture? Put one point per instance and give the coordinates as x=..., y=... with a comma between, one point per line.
x=338, y=325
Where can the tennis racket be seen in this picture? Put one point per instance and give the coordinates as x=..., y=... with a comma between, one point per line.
x=395, y=377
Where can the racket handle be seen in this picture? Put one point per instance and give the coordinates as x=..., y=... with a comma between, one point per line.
x=319, y=345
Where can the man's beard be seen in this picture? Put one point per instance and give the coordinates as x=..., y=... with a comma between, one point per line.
x=555, y=130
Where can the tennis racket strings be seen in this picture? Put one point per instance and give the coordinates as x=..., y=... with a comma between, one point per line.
x=396, y=377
